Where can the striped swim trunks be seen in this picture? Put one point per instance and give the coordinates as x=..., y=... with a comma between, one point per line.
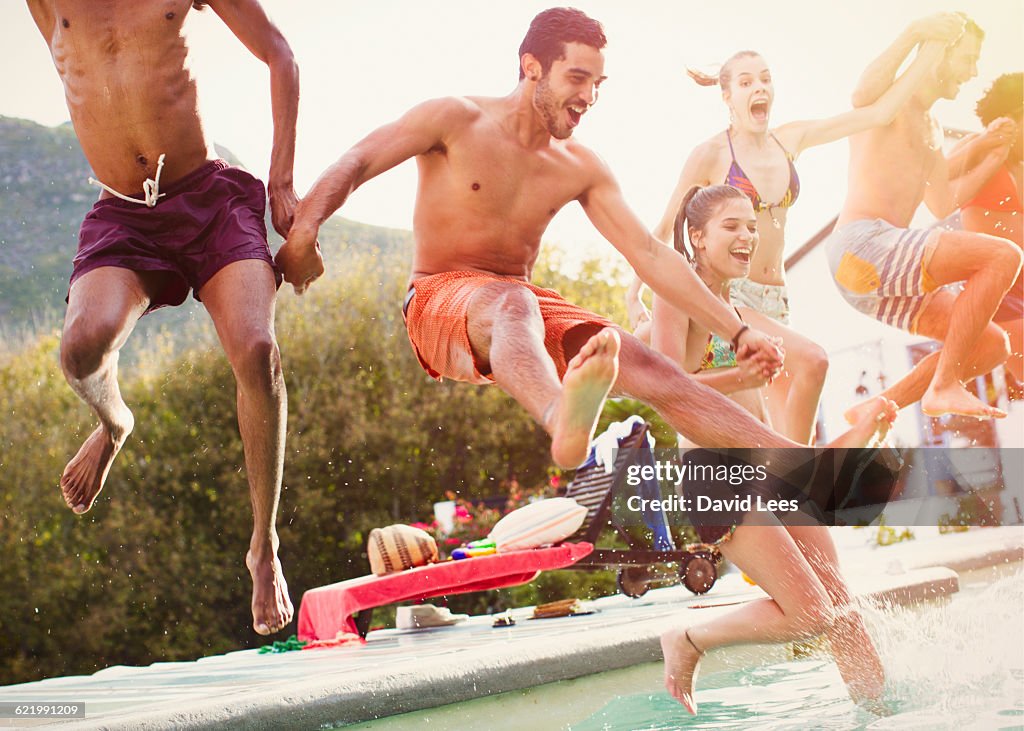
x=882, y=270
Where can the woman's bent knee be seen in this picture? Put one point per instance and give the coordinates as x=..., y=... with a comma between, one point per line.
x=809, y=363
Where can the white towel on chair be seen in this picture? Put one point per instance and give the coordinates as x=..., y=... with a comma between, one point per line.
x=604, y=446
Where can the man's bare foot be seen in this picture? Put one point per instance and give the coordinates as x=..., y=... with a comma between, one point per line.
x=587, y=380
x=856, y=413
x=872, y=423
x=271, y=606
x=85, y=474
x=956, y=399
x=681, y=660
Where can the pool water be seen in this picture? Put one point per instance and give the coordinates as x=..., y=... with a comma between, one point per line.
x=952, y=664
x=807, y=695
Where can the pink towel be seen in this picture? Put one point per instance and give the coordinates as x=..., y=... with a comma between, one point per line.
x=327, y=610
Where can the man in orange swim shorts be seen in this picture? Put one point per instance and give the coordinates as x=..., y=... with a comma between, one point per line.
x=492, y=174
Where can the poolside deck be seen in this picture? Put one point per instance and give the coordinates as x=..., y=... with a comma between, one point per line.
x=401, y=671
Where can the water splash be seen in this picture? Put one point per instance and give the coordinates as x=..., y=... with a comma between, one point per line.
x=953, y=663
x=958, y=664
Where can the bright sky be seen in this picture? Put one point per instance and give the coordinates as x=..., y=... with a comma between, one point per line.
x=364, y=63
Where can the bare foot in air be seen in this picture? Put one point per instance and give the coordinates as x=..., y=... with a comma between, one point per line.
x=85, y=474
x=587, y=380
x=271, y=606
x=681, y=660
x=874, y=417
x=956, y=399
x=856, y=413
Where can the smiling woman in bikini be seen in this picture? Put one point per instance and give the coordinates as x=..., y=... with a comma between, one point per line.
x=759, y=161
x=796, y=565
x=724, y=239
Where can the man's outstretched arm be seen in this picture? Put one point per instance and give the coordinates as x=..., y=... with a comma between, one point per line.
x=974, y=148
x=250, y=24
x=881, y=72
x=944, y=196
x=665, y=270
x=421, y=128
x=881, y=112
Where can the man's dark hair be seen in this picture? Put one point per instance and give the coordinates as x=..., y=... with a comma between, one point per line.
x=1005, y=98
x=555, y=27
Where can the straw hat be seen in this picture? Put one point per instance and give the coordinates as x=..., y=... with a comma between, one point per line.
x=399, y=547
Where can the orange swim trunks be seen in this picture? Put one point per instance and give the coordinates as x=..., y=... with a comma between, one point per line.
x=435, y=318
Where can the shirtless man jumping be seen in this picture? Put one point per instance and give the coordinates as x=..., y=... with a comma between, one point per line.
x=893, y=273
x=198, y=223
x=492, y=174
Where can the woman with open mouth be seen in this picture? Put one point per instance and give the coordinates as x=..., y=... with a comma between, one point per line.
x=759, y=161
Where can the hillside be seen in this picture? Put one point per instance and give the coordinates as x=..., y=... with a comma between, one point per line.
x=43, y=198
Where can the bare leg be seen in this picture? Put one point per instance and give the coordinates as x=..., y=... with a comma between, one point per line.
x=989, y=265
x=990, y=350
x=706, y=417
x=799, y=606
x=103, y=307
x=240, y=300
x=506, y=332
x=855, y=654
x=702, y=415
x=1015, y=363
x=643, y=332
x=588, y=378
x=793, y=397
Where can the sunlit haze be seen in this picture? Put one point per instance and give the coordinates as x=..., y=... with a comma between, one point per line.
x=364, y=63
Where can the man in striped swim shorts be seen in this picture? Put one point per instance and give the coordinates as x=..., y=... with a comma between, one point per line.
x=898, y=274
x=882, y=270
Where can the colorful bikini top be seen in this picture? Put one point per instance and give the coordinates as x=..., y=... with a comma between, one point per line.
x=737, y=178
x=718, y=353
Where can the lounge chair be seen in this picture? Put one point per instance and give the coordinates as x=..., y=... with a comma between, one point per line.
x=596, y=489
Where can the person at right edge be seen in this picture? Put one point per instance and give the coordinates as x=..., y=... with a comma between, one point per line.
x=896, y=274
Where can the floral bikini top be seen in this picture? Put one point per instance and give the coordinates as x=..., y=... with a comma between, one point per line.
x=718, y=353
x=738, y=179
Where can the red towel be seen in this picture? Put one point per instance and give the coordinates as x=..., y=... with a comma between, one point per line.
x=327, y=610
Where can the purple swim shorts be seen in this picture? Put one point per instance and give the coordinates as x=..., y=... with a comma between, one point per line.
x=212, y=217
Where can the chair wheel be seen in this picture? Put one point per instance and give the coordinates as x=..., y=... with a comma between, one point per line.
x=632, y=581
x=698, y=573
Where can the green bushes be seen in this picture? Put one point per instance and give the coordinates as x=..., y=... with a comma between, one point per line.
x=155, y=570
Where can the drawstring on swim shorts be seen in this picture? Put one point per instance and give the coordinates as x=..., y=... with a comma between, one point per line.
x=150, y=187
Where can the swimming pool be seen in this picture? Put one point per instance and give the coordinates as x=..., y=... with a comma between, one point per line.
x=958, y=663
